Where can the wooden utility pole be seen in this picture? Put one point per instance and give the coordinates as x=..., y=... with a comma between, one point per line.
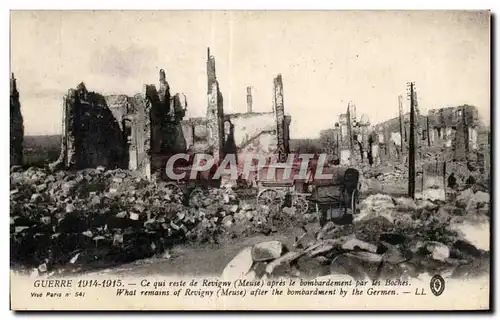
x=465, y=124
x=411, y=151
x=401, y=123
x=428, y=127
x=337, y=141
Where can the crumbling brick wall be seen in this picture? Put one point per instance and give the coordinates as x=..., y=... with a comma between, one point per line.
x=279, y=109
x=195, y=132
x=254, y=132
x=344, y=141
x=16, y=125
x=158, y=125
x=220, y=134
x=352, y=139
x=118, y=131
x=215, y=111
x=174, y=140
x=142, y=132
x=453, y=132
x=455, y=128
x=244, y=132
x=91, y=135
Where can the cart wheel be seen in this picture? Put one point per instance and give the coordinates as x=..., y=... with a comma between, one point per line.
x=269, y=198
x=173, y=188
x=196, y=196
x=354, y=201
x=300, y=204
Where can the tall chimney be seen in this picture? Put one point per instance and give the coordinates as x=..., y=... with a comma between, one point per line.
x=249, y=99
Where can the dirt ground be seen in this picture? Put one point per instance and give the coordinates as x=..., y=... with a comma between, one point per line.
x=204, y=259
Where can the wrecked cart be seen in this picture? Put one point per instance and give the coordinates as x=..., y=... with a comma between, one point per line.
x=336, y=198
x=278, y=187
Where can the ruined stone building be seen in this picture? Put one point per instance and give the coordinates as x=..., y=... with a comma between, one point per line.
x=351, y=135
x=16, y=125
x=266, y=133
x=391, y=137
x=118, y=131
x=141, y=132
x=453, y=129
x=452, y=132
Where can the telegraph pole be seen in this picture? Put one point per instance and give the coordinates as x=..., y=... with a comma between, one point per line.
x=411, y=151
x=428, y=127
x=401, y=123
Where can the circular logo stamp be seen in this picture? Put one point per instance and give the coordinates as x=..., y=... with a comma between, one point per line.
x=437, y=285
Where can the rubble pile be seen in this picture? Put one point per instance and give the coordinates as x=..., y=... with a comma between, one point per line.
x=93, y=218
x=264, y=220
x=391, y=238
x=397, y=174
x=96, y=218
x=385, y=178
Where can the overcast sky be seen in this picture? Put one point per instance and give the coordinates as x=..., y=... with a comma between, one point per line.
x=326, y=58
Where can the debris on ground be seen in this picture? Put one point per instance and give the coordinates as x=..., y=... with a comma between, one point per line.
x=96, y=218
x=93, y=218
x=391, y=238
